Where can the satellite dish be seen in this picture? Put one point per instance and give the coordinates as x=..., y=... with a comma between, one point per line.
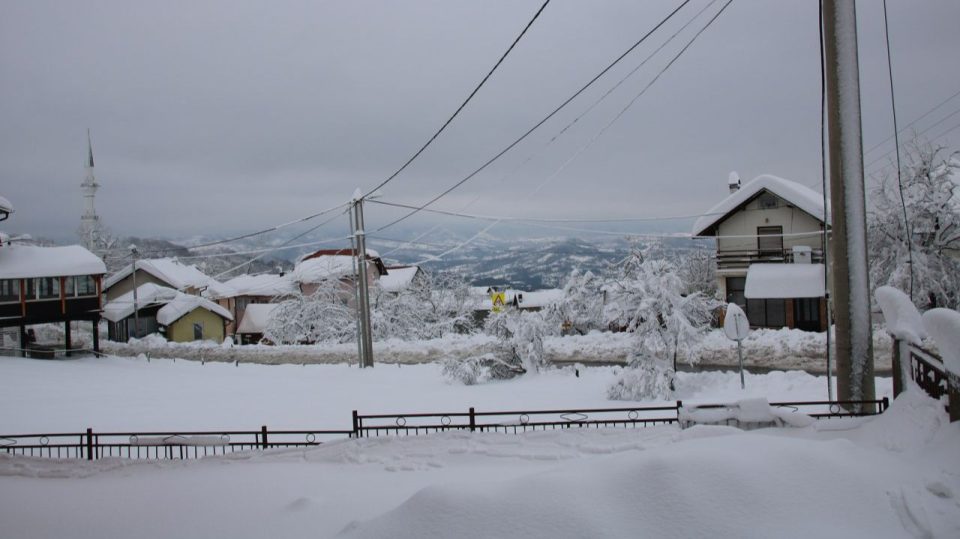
x=735, y=323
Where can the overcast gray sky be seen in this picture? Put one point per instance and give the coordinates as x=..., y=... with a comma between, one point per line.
x=218, y=117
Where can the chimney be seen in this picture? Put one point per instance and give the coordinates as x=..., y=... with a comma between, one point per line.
x=733, y=182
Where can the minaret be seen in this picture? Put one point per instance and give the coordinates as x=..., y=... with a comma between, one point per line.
x=89, y=219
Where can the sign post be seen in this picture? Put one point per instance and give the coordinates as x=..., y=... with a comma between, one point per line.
x=736, y=327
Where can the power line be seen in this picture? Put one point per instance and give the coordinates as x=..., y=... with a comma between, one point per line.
x=940, y=121
x=541, y=122
x=462, y=105
x=545, y=220
x=909, y=125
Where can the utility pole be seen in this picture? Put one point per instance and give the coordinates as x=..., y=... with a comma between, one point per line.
x=133, y=274
x=851, y=285
x=363, y=308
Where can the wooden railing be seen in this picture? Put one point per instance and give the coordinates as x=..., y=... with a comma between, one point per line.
x=926, y=369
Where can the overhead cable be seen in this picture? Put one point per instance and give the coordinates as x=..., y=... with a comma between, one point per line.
x=462, y=105
x=541, y=122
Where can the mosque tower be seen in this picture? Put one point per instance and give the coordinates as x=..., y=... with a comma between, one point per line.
x=89, y=221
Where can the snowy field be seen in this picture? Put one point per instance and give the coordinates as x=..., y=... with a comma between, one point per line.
x=897, y=475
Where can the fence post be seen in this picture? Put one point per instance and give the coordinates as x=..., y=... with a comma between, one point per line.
x=886, y=404
x=953, y=396
x=356, y=425
x=89, y=444
x=473, y=420
x=897, y=369
x=263, y=435
x=679, y=406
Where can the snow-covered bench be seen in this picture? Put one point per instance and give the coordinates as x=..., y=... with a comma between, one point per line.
x=746, y=414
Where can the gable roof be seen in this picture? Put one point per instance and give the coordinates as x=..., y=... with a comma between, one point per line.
x=169, y=270
x=331, y=264
x=800, y=196
x=148, y=295
x=398, y=278
x=183, y=304
x=26, y=261
x=268, y=284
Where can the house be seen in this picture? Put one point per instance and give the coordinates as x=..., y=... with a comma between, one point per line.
x=180, y=317
x=257, y=316
x=166, y=272
x=41, y=285
x=237, y=293
x=486, y=299
x=334, y=265
x=400, y=278
x=769, y=235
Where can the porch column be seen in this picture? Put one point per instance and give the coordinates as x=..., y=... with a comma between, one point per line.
x=66, y=337
x=96, y=336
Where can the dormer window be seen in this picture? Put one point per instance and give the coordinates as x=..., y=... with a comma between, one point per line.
x=768, y=201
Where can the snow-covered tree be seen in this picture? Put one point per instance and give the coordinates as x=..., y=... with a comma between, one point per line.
x=698, y=271
x=320, y=317
x=519, y=351
x=582, y=303
x=433, y=306
x=649, y=300
x=929, y=179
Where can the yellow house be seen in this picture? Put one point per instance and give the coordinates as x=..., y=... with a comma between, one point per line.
x=192, y=318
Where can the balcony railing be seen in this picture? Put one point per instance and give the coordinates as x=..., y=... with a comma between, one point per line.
x=743, y=259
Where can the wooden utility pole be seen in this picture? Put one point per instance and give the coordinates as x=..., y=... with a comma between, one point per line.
x=851, y=285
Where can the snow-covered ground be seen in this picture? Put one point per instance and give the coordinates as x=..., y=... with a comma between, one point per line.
x=896, y=475
x=139, y=395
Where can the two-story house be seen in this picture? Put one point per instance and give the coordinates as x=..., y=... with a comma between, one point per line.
x=769, y=235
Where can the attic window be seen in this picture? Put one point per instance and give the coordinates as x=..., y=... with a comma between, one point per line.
x=767, y=201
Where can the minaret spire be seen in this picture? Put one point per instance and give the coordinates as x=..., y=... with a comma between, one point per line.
x=89, y=221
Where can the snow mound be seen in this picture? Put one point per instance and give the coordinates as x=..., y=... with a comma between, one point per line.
x=901, y=315
x=944, y=326
x=745, y=413
x=680, y=490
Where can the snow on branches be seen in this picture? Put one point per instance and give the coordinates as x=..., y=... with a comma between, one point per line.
x=933, y=214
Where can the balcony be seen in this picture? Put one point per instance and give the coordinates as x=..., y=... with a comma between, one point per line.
x=731, y=260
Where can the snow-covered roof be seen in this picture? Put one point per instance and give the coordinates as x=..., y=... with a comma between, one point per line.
x=183, y=304
x=148, y=295
x=773, y=281
x=321, y=268
x=25, y=261
x=5, y=205
x=794, y=193
x=256, y=317
x=398, y=279
x=257, y=285
x=168, y=270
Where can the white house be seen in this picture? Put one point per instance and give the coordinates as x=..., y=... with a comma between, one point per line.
x=770, y=251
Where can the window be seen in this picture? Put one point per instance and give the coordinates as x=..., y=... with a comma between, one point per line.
x=735, y=287
x=30, y=291
x=48, y=287
x=767, y=313
x=198, y=331
x=9, y=290
x=770, y=239
x=70, y=287
x=86, y=286
x=767, y=201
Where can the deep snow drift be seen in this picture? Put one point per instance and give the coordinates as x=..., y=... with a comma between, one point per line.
x=896, y=475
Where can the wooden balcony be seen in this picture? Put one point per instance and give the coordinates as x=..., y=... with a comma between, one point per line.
x=727, y=260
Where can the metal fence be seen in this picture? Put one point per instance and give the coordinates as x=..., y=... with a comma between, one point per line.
x=91, y=445
x=926, y=369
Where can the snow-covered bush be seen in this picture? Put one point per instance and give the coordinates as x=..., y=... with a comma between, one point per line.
x=520, y=349
x=645, y=379
x=933, y=214
x=465, y=371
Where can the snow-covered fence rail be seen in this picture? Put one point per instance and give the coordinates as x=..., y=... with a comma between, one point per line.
x=927, y=370
x=518, y=421
x=92, y=445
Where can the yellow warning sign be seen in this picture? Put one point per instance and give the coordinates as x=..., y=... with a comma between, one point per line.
x=498, y=299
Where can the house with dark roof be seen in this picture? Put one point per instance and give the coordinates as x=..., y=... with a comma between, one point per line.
x=770, y=251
